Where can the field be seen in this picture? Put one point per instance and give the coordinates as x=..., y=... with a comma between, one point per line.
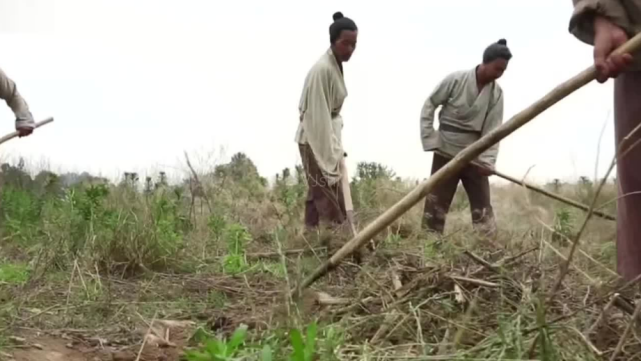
x=200, y=270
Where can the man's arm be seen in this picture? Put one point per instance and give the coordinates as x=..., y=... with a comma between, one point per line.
x=437, y=98
x=582, y=20
x=9, y=93
x=493, y=120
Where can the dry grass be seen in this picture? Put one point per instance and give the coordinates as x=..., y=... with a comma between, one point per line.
x=96, y=282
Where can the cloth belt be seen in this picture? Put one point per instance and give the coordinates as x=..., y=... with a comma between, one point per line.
x=453, y=129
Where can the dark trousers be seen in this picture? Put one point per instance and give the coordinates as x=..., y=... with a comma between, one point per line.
x=324, y=203
x=627, y=115
x=477, y=187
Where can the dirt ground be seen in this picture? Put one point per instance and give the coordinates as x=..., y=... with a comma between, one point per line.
x=155, y=317
x=50, y=329
x=93, y=330
x=164, y=343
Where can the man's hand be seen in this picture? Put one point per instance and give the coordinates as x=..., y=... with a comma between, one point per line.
x=608, y=37
x=23, y=132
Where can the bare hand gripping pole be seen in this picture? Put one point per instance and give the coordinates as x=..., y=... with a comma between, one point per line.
x=15, y=134
x=457, y=163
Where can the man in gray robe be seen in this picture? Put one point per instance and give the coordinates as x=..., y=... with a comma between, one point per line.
x=471, y=104
x=319, y=133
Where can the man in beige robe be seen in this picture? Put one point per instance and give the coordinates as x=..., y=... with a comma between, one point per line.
x=607, y=24
x=319, y=133
x=471, y=104
x=9, y=93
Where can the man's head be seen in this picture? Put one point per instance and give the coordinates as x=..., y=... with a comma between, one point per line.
x=495, y=60
x=342, y=35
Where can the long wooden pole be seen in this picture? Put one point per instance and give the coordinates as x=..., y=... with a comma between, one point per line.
x=555, y=196
x=544, y=192
x=16, y=133
x=457, y=163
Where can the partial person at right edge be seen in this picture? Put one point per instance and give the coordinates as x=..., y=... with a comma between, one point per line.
x=25, y=123
x=606, y=25
x=471, y=104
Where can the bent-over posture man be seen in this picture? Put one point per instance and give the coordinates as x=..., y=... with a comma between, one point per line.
x=471, y=104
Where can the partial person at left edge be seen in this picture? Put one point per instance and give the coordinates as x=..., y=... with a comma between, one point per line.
x=10, y=94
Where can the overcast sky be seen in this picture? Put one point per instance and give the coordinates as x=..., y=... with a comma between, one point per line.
x=134, y=83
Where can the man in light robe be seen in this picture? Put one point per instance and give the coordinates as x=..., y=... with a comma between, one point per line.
x=319, y=134
x=606, y=25
x=9, y=93
x=471, y=104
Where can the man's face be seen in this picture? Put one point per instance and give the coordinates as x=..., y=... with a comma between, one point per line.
x=496, y=68
x=346, y=44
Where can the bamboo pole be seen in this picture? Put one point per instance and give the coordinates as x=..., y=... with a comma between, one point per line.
x=554, y=196
x=457, y=163
x=544, y=192
x=16, y=133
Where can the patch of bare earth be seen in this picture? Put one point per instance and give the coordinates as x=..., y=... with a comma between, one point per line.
x=164, y=341
x=163, y=313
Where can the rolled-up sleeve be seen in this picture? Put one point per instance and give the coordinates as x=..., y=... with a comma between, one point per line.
x=582, y=19
x=10, y=94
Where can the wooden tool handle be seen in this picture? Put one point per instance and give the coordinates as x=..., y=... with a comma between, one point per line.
x=16, y=133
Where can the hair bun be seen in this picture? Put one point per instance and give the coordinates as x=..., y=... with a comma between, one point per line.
x=502, y=42
x=338, y=15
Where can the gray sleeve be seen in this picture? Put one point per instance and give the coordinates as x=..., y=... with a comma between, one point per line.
x=582, y=19
x=10, y=94
x=429, y=136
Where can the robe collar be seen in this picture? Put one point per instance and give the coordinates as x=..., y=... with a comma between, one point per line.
x=334, y=61
x=476, y=86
